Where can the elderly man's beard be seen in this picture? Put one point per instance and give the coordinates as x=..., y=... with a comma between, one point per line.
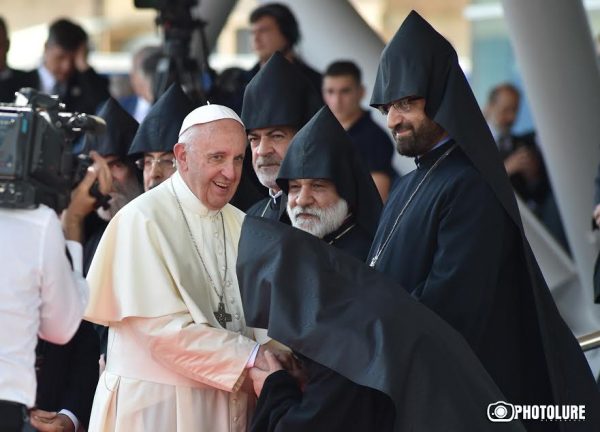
x=122, y=194
x=324, y=221
x=267, y=168
x=420, y=139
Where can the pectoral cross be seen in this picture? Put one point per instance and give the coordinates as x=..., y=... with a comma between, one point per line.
x=222, y=317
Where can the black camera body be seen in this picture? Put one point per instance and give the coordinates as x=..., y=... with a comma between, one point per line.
x=36, y=160
x=176, y=19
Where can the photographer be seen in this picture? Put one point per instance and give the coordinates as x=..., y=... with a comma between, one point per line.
x=68, y=374
x=41, y=293
x=117, y=177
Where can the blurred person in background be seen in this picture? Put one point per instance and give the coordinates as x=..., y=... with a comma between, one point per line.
x=65, y=70
x=11, y=80
x=141, y=78
x=342, y=91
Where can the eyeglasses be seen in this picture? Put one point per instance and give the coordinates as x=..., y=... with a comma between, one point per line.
x=403, y=105
x=147, y=163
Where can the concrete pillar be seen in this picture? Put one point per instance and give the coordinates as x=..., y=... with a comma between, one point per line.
x=215, y=13
x=333, y=30
x=555, y=53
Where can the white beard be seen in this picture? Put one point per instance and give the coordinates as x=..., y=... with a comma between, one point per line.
x=327, y=219
x=119, y=199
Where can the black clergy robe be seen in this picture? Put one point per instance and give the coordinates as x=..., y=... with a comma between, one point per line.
x=271, y=209
x=351, y=238
x=282, y=406
x=379, y=360
x=330, y=402
x=457, y=251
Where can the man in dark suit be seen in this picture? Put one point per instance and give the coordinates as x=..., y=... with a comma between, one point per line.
x=523, y=159
x=65, y=70
x=141, y=78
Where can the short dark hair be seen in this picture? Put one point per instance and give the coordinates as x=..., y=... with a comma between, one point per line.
x=66, y=34
x=3, y=28
x=344, y=67
x=496, y=90
x=286, y=21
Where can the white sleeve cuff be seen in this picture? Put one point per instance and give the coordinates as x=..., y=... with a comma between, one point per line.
x=76, y=251
x=252, y=358
x=70, y=414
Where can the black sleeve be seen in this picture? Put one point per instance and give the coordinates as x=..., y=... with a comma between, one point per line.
x=82, y=376
x=94, y=90
x=380, y=154
x=329, y=403
x=280, y=393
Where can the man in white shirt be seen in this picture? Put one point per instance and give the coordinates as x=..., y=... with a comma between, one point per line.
x=40, y=295
x=163, y=279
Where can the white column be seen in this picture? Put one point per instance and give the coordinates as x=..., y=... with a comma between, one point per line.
x=215, y=13
x=333, y=30
x=555, y=53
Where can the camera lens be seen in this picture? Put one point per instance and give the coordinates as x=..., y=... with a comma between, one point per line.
x=500, y=411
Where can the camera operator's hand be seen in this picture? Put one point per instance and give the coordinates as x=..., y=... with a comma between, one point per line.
x=50, y=421
x=82, y=203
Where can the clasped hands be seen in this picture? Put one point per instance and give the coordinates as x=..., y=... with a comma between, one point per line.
x=270, y=360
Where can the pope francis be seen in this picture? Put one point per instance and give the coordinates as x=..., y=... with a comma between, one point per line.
x=163, y=280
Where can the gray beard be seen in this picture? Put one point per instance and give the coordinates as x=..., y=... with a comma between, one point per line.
x=122, y=195
x=329, y=218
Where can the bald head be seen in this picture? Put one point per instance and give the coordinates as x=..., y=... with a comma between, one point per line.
x=209, y=159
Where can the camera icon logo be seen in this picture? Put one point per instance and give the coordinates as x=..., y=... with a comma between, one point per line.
x=500, y=411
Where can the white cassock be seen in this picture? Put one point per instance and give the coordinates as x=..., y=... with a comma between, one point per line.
x=171, y=366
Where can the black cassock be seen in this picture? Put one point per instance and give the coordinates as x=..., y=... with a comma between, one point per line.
x=352, y=238
x=282, y=406
x=459, y=253
x=441, y=253
x=379, y=361
x=329, y=402
x=271, y=209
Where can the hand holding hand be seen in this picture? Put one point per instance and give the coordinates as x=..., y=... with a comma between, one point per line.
x=47, y=421
x=259, y=375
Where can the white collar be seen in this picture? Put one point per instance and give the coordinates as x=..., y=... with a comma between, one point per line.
x=142, y=107
x=47, y=81
x=187, y=198
x=274, y=196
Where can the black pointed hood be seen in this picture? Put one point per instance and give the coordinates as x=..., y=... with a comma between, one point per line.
x=159, y=131
x=418, y=61
x=279, y=95
x=322, y=149
x=334, y=309
x=120, y=130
